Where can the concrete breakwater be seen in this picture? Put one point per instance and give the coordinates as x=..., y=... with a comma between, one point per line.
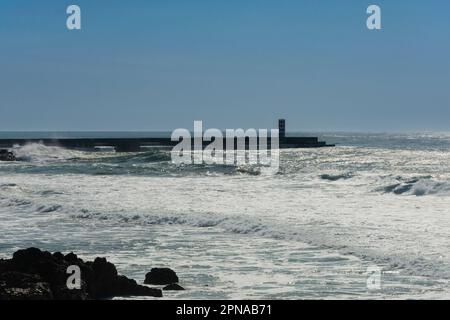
x=136, y=144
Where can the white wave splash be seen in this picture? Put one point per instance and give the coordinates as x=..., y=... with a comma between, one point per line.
x=36, y=152
x=417, y=187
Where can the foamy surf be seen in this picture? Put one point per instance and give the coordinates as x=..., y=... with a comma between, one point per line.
x=36, y=152
x=332, y=212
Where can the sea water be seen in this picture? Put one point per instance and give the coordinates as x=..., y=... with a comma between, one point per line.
x=314, y=230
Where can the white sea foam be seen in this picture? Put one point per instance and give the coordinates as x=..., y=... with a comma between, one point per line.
x=36, y=152
x=372, y=205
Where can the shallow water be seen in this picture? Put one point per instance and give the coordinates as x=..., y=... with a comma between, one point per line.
x=310, y=231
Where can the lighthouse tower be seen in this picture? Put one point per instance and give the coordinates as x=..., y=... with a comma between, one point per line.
x=282, y=128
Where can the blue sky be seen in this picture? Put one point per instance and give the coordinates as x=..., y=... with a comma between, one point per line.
x=159, y=65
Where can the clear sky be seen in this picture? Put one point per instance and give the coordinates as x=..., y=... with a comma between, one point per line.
x=159, y=65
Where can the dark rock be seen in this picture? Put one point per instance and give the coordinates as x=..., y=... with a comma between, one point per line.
x=108, y=283
x=173, y=286
x=4, y=265
x=6, y=155
x=129, y=287
x=105, y=278
x=36, y=274
x=71, y=257
x=53, y=270
x=103, y=268
x=22, y=286
x=22, y=259
x=58, y=256
x=161, y=276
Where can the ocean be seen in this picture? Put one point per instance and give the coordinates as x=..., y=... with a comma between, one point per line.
x=314, y=230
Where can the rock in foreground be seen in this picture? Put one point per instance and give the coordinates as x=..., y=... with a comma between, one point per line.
x=161, y=276
x=40, y=275
x=173, y=286
x=21, y=286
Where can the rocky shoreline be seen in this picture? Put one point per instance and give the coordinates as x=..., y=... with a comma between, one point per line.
x=33, y=274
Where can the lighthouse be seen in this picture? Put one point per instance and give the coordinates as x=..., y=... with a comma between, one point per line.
x=282, y=128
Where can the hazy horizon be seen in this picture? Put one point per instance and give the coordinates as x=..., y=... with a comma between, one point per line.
x=288, y=132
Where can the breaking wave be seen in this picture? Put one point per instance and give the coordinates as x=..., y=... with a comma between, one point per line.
x=336, y=177
x=417, y=186
x=316, y=234
x=40, y=159
x=36, y=152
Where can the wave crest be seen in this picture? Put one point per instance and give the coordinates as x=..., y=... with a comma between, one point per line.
x=417, y=186
x=336, y=177
x=36, y=152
